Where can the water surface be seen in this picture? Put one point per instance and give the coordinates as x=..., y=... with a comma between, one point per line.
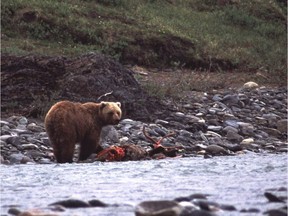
x=237, y=180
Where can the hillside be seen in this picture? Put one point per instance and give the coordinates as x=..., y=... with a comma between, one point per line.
x=222, y=35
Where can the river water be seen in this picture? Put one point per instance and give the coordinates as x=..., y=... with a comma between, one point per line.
x=237, y=180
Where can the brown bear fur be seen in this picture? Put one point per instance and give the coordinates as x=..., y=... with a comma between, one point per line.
x=68, y=123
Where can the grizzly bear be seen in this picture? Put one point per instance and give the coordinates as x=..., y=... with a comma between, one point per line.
x=68, y=123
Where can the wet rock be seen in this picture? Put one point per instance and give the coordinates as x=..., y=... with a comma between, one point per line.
x=36, y=154
x=36, y=212
x=44, y=161
x=276, y=212
x=272, y=198
x=227, y=207
x=191, y=197
x=250, y=210
x=216, y=150
x=14, y=211
x=196, y=212
x=72, y=203
x=158, y=208
x=97, y=203
x=17, y=158
x=209, y=206
x=2, y=160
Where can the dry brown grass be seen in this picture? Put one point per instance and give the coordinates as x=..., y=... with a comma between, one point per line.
x=177, y=83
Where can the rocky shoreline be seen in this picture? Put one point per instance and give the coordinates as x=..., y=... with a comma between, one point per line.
x=230, y=122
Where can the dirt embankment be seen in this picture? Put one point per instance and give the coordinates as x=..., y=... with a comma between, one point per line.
x=31, y=84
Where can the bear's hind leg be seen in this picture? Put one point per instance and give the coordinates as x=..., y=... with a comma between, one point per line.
x=64, y=155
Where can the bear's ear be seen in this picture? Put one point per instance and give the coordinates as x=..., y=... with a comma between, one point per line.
x=102, y=104
x=118, y=104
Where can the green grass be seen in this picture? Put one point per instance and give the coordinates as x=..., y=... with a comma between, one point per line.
x=246, y=35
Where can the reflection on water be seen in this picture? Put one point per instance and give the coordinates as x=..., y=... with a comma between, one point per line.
x=240, y=181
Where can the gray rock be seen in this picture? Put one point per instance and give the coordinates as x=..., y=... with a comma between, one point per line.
x=45, y=141
x=29, y=146
x=35, y=154
x=71, y=203
x=282, y=125
x=283, y=149
x=250, y=85
x=230, y=128
x=35, y=128
x=272, y=131
x=44, y=161
x=216, y=150
x=21, y=131
x=214, y=128
x=109, y=134
x=179, y=114
x=193, y=119
x=17, y=158
x=232, y=123
x=234, y=137
x=2, y=160
x=14, y=140
x=270, y=147
x=247, y=141
x=5, y=128
x=160, y=131
x=5, y=137
x=230, y=99
x=217, y=97
x=23, y=120
x=246, y=128
x=2, y=123
x=161, y=122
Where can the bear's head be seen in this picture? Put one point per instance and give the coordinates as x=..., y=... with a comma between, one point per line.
x=110, y=112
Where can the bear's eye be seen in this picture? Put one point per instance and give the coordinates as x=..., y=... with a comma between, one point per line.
x=110, y=113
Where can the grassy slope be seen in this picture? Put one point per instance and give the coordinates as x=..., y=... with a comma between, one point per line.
x=247, y=35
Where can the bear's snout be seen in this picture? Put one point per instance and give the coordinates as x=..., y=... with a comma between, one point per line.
x=116, y=119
